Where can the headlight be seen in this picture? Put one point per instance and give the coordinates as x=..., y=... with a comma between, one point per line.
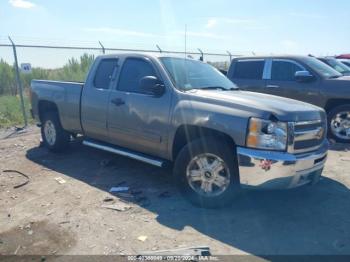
x=265, y=134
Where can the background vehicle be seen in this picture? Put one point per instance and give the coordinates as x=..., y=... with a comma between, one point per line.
x=345, y=59
x=336, y=64
x=162, y=110
x=299, y=77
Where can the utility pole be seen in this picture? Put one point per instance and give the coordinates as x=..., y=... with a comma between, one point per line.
x=185, y=41
x=19, y=83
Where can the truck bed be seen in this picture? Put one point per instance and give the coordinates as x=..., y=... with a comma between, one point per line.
x=66, y=96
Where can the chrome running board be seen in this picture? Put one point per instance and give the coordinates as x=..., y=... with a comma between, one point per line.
x=125, y=152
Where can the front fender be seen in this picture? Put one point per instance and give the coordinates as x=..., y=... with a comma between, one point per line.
x=219, y=118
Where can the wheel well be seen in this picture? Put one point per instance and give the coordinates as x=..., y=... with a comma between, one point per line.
x=46, y=106
x=332, y=103
x=188, y=133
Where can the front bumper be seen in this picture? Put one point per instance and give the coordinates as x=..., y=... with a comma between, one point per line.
x=279, y=170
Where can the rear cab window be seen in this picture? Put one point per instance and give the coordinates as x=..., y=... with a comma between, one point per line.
x=248, y=69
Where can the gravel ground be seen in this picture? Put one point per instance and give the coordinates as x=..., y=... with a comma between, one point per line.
x=61, y=210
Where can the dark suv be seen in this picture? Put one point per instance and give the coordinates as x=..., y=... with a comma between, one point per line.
x=302, y=78
x=336, y=64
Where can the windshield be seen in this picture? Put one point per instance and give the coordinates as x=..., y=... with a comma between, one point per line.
x=322, y=68
x=191, y=74
x=340, y=67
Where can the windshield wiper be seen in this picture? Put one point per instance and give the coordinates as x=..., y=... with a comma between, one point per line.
x=334, y=77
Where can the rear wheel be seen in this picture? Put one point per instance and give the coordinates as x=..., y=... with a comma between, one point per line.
x=207, y=174
x=339, y=124
x=55, y=138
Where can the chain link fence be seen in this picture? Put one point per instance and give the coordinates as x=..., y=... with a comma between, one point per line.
x=66, y=63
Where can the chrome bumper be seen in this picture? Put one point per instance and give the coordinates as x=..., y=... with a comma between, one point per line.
x=278, y=170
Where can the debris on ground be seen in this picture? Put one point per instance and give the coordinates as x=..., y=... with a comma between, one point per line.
x=64, y=222
x=16, y=131
x=16, y=251
x=118, y=207
x=345, y=159
x=19, y=173
x=108, y=199
x=119, y=189
x=142, y=238
x=60, y=180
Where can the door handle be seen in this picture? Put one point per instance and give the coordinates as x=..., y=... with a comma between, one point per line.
x=118, y=102
x=272, y=86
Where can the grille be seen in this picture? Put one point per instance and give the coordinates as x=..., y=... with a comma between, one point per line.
x=308, y=136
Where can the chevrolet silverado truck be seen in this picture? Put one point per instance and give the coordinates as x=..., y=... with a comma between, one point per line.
x=302, y=78
x=182, y=113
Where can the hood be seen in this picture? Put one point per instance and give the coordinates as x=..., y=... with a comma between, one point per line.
x=262, y=105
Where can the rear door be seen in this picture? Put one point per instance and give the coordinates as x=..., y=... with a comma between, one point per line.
x=248, y=74
x=138, y=120
x=95, y=99
x=282, y=81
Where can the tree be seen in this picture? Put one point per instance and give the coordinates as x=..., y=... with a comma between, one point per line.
x=73, y=70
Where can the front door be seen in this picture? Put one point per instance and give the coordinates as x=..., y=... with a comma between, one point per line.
x=282, y=82
x=138, y=120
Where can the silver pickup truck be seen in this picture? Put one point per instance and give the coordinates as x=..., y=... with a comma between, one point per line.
x=166, y=110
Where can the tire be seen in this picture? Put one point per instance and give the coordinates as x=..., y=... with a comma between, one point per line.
x=55, y=138
x=334, y=121
x=211, y=149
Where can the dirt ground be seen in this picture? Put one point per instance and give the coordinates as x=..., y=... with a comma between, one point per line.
x=60, y=210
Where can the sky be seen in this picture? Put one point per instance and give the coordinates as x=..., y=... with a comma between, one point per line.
x=319, y=27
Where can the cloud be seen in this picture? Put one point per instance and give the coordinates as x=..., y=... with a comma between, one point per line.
x=21, y=4
x=214, y=21
x=119, y=32
x=211, y=23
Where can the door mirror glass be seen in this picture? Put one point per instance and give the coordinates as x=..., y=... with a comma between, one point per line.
x=304, y=76
x=152, y=85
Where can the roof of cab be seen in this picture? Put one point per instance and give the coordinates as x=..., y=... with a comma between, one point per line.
x=297, y=57
x=138, y=54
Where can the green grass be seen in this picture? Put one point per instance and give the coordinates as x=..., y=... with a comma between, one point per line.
x=11, y=113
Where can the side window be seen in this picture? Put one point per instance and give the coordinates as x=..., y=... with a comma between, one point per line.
x=104, y=73
x=132, y=72
x=284, y=70
x=246, y=69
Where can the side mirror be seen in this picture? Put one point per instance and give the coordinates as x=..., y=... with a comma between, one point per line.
x=304, y=76
x=152, y=85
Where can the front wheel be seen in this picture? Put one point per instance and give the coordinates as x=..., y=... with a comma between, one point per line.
x=206, y=172
x=339, y=124
x=55, y=138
